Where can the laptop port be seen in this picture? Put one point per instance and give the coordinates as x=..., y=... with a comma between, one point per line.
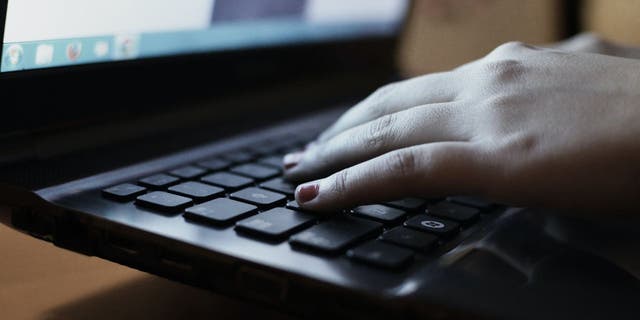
x=176, y=261
x=261, y=285
x=123, y=245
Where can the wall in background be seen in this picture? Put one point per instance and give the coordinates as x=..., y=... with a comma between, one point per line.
x=618, y=20
x=442, y=34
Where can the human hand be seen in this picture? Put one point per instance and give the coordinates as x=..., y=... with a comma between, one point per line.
x=592, y=43
x=524, y=126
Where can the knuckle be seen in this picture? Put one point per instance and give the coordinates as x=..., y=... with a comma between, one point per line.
x=590, y=38
x=510, y=49
x=501, y=102
x=376, y=104
x=595, y=44
x=402, y=162
x=379, y=132
x=384, y=90
x=503, y=71
x=521, y=144
x=340, y=182
x=498, y=111
x=511, y=46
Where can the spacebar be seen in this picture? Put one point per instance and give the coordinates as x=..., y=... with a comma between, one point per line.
x=334, y=236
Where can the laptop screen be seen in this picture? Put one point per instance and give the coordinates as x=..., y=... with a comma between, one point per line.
x=44, y=33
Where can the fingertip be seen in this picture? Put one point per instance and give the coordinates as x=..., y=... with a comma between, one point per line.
x=302, y=166
x=311, y=144
x=291, y=160
x=307, y=196
x=307, y=192
x=294, y=168
x=317, y=196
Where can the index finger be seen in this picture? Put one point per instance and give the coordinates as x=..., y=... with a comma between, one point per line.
x=395, y=97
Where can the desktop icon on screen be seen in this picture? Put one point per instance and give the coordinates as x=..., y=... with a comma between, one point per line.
x=126, y=47
x=74, y=50
x=101, y=49
x=44, y=54
x=13, y=56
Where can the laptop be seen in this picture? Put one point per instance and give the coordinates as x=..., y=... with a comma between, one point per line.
x=151, y=134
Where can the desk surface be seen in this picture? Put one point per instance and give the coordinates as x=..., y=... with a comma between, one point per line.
x=41, y=281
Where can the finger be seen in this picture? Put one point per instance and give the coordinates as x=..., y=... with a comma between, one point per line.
x=415, y=126
x=431, y=88
x=429, y=170
x=583, y=42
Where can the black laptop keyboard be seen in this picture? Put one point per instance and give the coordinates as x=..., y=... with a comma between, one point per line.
x=244, y=190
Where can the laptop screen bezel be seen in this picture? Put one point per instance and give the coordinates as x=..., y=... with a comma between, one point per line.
x=47, y=98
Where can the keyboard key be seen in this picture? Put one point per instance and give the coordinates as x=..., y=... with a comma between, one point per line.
x=471, y=202
x=335, y=235
x=409, y=204
x=238, y=157
x=293, y=147
x=220, y=211
x=274, y=161
x=280, y=185
x=124, y=192
x=293, y=205
x=259, y=197
x=214, y=164
x=265, y=148
x=276, y=223
x=163, y=201
x=227, y=180
x=188, y=172
x=381, y=254
x=455, y=212
x=380, y=213
x=433, y=225
x=197, y=191
x=255, y=171
x=415, y=240
x=158, y=181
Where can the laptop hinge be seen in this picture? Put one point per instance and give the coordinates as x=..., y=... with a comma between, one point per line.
x=16, y=147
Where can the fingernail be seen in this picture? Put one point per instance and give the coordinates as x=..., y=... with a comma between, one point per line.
x=292, y=159
x=307, y=192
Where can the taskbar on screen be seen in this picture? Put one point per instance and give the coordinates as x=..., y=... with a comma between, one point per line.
x=77, y=51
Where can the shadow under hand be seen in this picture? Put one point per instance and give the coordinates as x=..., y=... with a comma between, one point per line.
x=152, y=297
